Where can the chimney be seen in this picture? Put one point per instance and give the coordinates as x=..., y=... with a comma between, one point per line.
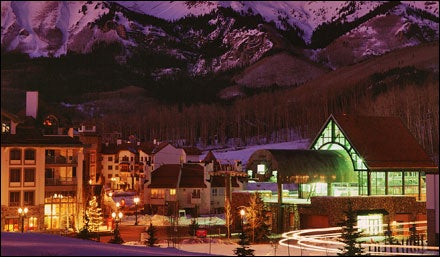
x=32, y=103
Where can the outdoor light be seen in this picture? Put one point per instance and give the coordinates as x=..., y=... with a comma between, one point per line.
x=22, y=213
x=242, y=213
x=136, y=201
x=117, y=218
x=117, y=205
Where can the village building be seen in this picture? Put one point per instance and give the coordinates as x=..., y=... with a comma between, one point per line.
x=373, y=162
x=42, y=182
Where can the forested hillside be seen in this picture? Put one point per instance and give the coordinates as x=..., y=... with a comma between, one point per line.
x=403, y=83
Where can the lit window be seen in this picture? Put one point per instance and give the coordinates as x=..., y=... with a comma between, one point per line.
x=261, y=169
x=172, y=191
x=157, y=193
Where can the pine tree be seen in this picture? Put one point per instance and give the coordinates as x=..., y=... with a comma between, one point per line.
x=84, y=232
x=94, y=213
x=256, y=216
x=193, y=227
x=244, y=249
x=152, y=239
x=350, y=234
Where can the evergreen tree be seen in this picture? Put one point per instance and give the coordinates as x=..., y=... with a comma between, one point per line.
x=84, y=232
x=244, y=249
x=350, y=234
x=117, y=239
x=256, y=216
x=94, y=213
x=193, y=227
x=152, y=239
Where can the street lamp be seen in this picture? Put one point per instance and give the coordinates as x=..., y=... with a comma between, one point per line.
x=242, y=213
x=117, y=218
x=136, y=201
x=22, y=213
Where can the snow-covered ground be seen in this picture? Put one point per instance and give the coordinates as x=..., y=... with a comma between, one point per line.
x=37, y=244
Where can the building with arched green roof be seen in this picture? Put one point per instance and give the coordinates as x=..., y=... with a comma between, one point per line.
x=373, y=162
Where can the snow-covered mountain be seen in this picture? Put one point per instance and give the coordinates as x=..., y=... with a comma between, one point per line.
x=43, y=28
x=212, y=36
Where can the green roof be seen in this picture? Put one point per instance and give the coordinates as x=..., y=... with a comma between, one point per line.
x=304, y=166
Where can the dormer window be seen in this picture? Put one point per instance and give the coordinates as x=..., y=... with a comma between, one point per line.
x=50, y=124
x=6, y=128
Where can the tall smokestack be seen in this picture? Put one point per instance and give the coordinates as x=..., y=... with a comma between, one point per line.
x=32, y=103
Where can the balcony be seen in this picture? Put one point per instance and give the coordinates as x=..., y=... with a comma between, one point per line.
x=61, y=181
x=53, y=160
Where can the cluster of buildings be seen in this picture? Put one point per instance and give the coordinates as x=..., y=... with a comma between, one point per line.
x=53, y=170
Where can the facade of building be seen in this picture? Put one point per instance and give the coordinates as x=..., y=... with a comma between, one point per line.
x=196, y=187
x=42, y=172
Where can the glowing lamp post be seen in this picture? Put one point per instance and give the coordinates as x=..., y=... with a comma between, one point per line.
x=117, y=218
x=22, y=213
x=242, y=213
x=136, y=201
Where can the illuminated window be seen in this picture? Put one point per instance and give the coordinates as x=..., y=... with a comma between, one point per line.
x=411, y=183
x=344, y=189
x=6, y=128
x=378, y=183
x=157, y=193
x=395, y=183
x=363, y=183
x=173, y=191
x=273, y=178
x=33, y=223
x=371, y=224
x=261, y=169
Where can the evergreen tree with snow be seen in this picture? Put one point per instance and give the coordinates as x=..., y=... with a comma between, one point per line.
x=94, y=213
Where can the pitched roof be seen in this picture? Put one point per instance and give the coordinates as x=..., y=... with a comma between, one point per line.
x=176, y=175
x=219, y=181
x=384, y=143
x=166, y=176
x=209, y=157
x=192, y=150
x=192, y=176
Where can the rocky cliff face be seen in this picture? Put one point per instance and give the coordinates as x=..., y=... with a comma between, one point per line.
x=207, y=37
